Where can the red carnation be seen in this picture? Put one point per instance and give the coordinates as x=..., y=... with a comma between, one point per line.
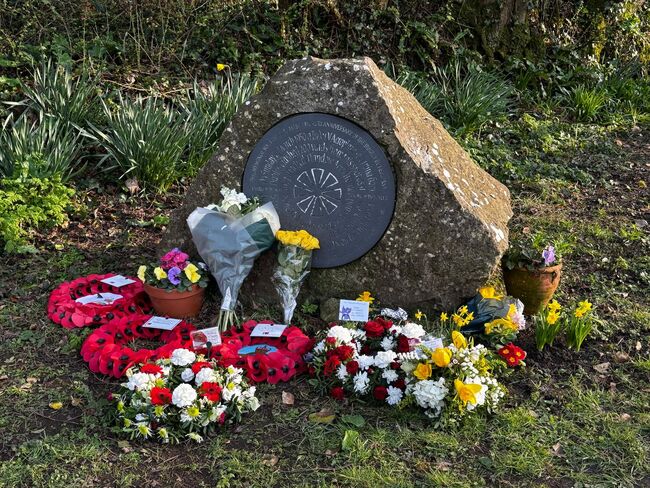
x=365, y=349
x=386, y=324
x=337, y=393
x=395, y=365
x=160, y=396
x=344, y=352
x=380, y=393
x=373, y=329
x=211, y=391
x=196, y=367
x=400, y=383
x=352, y=367
x=222, y=418
x=330, y=365
x=330, y=340
x=151, y=368
x=403, y=344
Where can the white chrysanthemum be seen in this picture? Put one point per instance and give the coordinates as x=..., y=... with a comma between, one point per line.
x=387, y=343
x=390, y=375
x=430, y=394
x=365, y=361
x=384, y=358
x=358, y=334
x=182, y=357
x=399, y=314
x=341, y=334
x=187, y=375
x=318, y=348
x=342, y=372
x=183, y=395
x=140, y=381
x=397, y=329
x=361, y=382
x=206, y=374
x=394, y=395
x=413, y=330
x=228, y=394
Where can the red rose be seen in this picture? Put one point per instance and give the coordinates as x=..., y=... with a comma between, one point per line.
x=352, y=367
x=394, y=365
x=373, y=329
x=330, y=365
x=365, y=349
x=330, y=340
x=211, y=391
x=344, y=352
x=150, y=368
x=196, y=367
x=160, y=396
x=403, y=344
x=400, y=383
x=380, y=393
x=337, y=393
x=222, y=418
x=386, y=324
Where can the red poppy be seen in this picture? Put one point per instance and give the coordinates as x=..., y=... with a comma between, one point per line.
x=337, y=393
x=151, y=368
x=374, y=329
x=160, y=396
x=330, y=365
x=403, y=344
x=352, y=367
x=380, y=393
x=280, y=367
x=256, y=368
x=211, y=391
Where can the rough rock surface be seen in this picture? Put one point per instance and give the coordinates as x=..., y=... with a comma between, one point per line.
x=449, y=228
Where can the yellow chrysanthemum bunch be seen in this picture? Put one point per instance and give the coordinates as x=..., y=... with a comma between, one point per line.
x=299, y=238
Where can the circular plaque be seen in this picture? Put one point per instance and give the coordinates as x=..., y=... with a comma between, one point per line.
x=328, y=176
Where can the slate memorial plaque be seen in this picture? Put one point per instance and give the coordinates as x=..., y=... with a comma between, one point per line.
x=328, y=176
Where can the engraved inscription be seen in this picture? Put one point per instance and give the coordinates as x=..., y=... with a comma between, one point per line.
x=327, y=175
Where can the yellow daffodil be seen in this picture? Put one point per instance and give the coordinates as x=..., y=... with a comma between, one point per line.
x=583, y=308
x=160, y=273
x=444, y=317
x=422, y=371
x=458, y=339
x=221, y=66
x=141, y=271
x=458, y=320
x=552, y=317
x=365, y=297
x=554, y=306
x=490, y=292
x=441, y=357
x=419, y=315
x=191, y=272
x=462, y=310
x=467, y=392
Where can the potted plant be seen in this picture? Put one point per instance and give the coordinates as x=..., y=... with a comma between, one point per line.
x=531, y=271
x=175, y=286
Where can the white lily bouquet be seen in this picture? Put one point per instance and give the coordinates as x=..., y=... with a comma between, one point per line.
x=229, y=237
x=294, y=262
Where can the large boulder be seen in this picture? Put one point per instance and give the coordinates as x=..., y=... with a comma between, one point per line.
x=449, y=228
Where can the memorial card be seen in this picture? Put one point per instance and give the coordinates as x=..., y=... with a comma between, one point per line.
x=268, y=330
x=201, y=338
x=163, y=323
x=354, y=311
x=118, y=281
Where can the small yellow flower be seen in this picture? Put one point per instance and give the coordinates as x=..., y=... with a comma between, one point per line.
x=458, y=339
x=144, y=430
x=490, y=292
x=554, y=306
x=141, y=271
x=221, y=66
x=462, y=310
x=467, y=392
x=162, y=432
x=158, y=410
x=191, y=272
x=422, y=371
x=160, y=273
x=56, y=405
x=127, y=423
x=441, y=357
x=419, y=315
x=120, y=406
x=552, y=317
x=365, y=297
x=231, y=386
x=444, y=317
x=583, y=308
x=193, y=411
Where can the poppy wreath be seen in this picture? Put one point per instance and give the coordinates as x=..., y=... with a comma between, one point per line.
x=106, y=351
x=63, y=309
x=280, y=365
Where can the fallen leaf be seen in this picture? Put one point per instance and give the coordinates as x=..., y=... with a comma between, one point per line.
x=270, y=460
x=625, y=417
x=76, y=402
x=132, y=185
x=325, y=416
x=355, y=420
x=32, y=380
x=621, y=357
x=56, y=405
x=557, y=449
x=288, y=398
x=330, y=452
x=638, y=345
x=602, y=368
x=443, y=466
x=125, y=446
x=612, y=387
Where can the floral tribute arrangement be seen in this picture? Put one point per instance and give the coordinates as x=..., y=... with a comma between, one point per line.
x=576, y=323
x=182, y=397
x=271, y=359
x=87, y=301
x=175, y=271
x=107, y=351
x=401, y=365
x=229, y=237
x=294, y=261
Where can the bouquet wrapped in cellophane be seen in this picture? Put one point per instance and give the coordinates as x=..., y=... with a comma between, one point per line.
x=229, y=237
x=294, y=262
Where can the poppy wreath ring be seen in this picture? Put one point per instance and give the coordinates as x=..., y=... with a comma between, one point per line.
x=276, y=359
x=64, y=309
x=106, y=351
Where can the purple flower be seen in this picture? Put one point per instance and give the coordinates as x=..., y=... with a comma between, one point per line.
x=549, y=255
x=172, y=275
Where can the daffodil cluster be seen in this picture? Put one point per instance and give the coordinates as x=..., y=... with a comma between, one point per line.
x=182, y=397
x=174, y=272
x=553, y=319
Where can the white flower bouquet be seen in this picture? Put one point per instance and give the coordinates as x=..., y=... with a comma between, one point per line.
x=182, y=397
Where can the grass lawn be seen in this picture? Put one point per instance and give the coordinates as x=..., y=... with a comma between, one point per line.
x=570, y=419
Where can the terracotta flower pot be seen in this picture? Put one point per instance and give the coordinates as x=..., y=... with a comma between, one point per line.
x=534, y=288
x=174, y=303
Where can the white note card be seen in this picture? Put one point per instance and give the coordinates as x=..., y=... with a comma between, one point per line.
x=200, y=338
x=353, y=311
x=268, y=330
x=118, y=281
x=100, y=298
x=163, y=323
